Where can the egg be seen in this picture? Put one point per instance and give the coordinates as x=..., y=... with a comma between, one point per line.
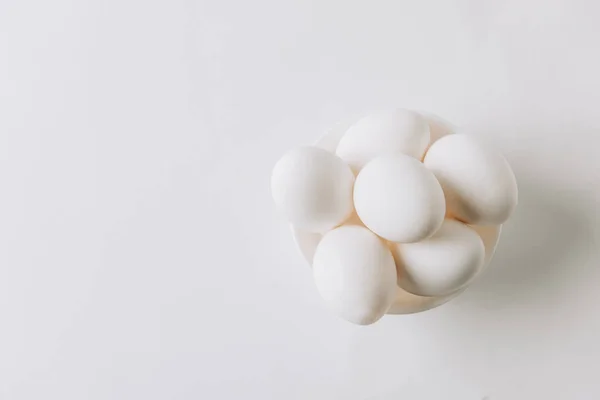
x=313, y=189
x=355, y=273
x=478, y=183
x=331, y=137
x=441, y=264
x=438, y=127
x=396, y=197
x=384, y=132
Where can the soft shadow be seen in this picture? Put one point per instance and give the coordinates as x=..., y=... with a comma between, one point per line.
x=532, y=259
x=506, y=314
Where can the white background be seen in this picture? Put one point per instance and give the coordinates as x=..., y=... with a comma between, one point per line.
x=140, y=254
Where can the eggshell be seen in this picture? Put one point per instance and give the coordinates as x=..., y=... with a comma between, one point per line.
x=438, y=127
x=313, y=189
x=355, y=274
x=441, y=264
x=331, y=138
x=405, y=302
x=384, y=132
x=478, y=183
x=396, y=197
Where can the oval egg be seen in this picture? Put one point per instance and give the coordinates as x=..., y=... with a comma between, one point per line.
x=313, y=189
x=396, y=197
x=355, y=273
x=384, y=132
x=441, y=264
x=478, y=183
x=438, y=127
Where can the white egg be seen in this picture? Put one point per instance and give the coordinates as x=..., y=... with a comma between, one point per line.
x=441, y=264
x=331, y=138
x=384, y=132
x=438, y=127
x=478, y=183
x=355, y=273
x=396, y=197
x=313, y=189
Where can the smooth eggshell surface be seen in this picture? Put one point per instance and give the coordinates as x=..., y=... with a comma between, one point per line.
x=313, y=189
x=355, y=273
x=478, y=183
x=438, y=127
x=384, y=132
x=405, y=302
x=396, y=197
x=441, y=264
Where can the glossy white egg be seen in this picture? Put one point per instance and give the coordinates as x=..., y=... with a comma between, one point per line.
x=438, y=127
x=441, y=264
x=478, y=183
x=396, y=197
x=312, y=188
x=384, y=132
x=355, y=273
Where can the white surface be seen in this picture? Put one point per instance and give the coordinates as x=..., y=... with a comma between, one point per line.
x=142, y=256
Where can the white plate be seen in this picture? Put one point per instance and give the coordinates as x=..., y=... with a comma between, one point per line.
x=405, y=303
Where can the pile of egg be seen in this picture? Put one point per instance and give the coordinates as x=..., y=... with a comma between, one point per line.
x=395, y=214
